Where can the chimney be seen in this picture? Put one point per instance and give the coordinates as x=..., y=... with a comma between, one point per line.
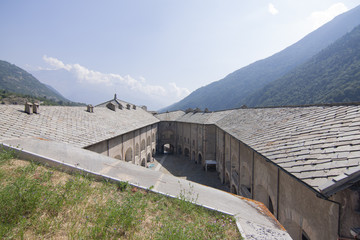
x=115, y=96
x=134, y=107
x=128, y=106
x=36, y=108
x=28, y=108
x=111, y=106
x=144, y=108
x=120, y=106
x=90, y=108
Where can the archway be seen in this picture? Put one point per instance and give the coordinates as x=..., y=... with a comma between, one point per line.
x=233, y=189
x=142, y=145
x=245, y=180
x=271, y=206
x=143, y=162
x=167, y=148
x=128, y=155
x=148, y=141
x=200, y=158
x=227, y=179
x=179, y=150
x=153, y=152
x=295, y=230
x=186, y=152
x=137, y=149
x=148, y=158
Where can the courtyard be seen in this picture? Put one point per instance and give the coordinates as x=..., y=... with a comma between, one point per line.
x=182, y=167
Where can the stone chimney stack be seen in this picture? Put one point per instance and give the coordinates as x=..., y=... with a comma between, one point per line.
x=36, y=107
x=90, y=108
x=28, y=108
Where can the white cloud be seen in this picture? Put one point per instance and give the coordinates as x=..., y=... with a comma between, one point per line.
x=272, y=9
x=85, y=75
x=319, y=18
x=180, y=92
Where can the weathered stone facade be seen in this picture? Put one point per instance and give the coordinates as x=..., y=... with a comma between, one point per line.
x=138, y=146
x=302, y=163
x=305, y=212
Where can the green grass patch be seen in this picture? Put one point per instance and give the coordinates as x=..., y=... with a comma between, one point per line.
x=41, y=203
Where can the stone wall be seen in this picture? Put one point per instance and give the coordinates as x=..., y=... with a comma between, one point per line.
x=350, y=208
x=137, y=146
x=249, y=174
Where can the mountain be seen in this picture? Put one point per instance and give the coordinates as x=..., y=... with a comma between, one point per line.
x=331, y=76
x=235, y=88
x=17, y=80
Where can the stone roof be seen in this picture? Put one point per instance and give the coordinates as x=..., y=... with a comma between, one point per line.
x=72, y=125
x=319, y=145
x=169, y=116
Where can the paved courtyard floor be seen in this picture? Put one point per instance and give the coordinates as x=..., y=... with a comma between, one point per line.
x=184, y=168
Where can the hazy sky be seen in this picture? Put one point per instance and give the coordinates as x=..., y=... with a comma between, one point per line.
x=160, y=50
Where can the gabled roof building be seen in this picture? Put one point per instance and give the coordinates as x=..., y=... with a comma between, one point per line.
x=303, y=163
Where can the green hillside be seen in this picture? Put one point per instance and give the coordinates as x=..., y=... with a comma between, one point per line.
x=234, y=89
x=16, y=80
x=332, y=76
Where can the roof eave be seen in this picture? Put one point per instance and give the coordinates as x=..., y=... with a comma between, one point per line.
x=340, y=182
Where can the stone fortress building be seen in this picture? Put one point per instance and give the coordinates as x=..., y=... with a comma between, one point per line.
x=303, y=163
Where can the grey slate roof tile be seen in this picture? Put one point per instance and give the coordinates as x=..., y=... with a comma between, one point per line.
x=71, y=124
x=315, y=144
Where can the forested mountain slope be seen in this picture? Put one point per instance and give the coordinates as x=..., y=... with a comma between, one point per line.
x=331, y=76
x=16, y=80
x=235, y=88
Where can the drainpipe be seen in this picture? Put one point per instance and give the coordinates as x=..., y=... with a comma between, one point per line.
x=278, y=194
x=253, y=177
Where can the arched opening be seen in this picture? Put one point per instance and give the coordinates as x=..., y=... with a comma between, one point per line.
x=142, y=145
x=167, y=148
x=143, y=163
x=304, y=236
x=295, y=231
x=148, y=141
x=245, y=180
x=261, y=195
x=128, y=155
x=227, y=179
x=153, y=152
x=153, y=137
x=271, y=207
x=137, y=149
x=186, y=152
x=233, y=189
x=148, y=159
x=179, y=150
x=200, y=158
x=235, y=165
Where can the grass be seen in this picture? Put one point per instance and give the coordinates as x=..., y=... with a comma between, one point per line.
x=37, y=202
